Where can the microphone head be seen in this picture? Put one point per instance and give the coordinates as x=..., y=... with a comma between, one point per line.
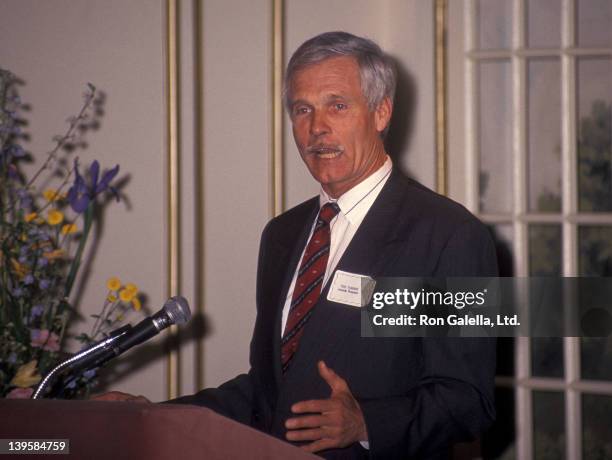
x=177, y=310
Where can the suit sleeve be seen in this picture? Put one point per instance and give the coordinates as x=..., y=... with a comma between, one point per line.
x=233, y=399
x=454, y=398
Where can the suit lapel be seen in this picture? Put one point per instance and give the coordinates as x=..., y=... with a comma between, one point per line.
x=377, y=237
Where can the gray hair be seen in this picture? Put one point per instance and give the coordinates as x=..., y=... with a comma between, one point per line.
x=375, y=67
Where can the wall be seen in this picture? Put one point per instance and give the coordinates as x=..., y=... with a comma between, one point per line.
x=404, y=29
x=58, y=45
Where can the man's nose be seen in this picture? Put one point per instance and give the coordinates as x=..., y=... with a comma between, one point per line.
x=318, y=124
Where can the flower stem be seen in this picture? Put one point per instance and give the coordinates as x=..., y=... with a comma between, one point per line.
x=60, y=142
x=76, y=262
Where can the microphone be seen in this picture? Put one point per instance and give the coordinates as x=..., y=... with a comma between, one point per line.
x=175, y=311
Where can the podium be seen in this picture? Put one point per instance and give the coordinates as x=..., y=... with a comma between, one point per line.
x=128, y=430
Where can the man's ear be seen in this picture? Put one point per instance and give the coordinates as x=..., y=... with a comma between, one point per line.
x=382, y=114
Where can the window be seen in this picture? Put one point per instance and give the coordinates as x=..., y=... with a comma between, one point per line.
x=537, y=121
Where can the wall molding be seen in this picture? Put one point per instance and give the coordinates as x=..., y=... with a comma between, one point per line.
x=277, y=202
x=172, y=185
x=441, y=101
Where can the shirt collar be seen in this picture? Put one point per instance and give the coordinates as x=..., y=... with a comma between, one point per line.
x=353, y=203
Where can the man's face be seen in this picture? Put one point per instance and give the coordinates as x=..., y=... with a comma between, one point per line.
x=337, y=135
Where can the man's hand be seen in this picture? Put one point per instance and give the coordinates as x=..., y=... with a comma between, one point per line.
x=119, y=396
x=334, y=422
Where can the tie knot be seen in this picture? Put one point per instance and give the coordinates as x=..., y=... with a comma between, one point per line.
x=329, y=211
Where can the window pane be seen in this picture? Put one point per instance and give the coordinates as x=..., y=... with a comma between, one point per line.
x=596, y=426
x=549, y=425
x=545, y=250
x=596, y=359
x=494, y=19
x=595, y=134
x=544, y=134
x=495, y=136
x=594, y=23
x=544, y=23
x=545, y=260
x=547, y=357
x=595, y=245
x=595, y=259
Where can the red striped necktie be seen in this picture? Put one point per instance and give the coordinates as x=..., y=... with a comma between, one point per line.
x=308, y=283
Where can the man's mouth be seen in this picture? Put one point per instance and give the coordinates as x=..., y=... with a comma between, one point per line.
x=326, y=152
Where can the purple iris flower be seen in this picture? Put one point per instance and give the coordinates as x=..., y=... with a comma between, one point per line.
x=25, y=200
x=28, y=279
x=44, y=284
x=12, y=171
x=17, y=151
x=81, y=193
x=37, y=310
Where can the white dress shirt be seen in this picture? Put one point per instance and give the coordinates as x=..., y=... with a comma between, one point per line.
x=354, y=205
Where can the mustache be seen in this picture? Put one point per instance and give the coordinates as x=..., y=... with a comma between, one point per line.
x=324, y=148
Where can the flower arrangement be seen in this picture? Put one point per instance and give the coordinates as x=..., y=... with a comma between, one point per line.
x=43, y=235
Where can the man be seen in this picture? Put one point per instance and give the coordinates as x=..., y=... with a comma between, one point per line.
x=314, y=380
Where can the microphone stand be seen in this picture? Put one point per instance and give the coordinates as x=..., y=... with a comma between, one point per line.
x=175, y=311
x=74, y=363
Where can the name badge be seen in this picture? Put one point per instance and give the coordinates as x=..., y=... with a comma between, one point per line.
x=351, y=289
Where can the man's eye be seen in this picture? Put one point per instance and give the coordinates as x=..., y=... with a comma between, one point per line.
x=340, y=106
x=301, y=110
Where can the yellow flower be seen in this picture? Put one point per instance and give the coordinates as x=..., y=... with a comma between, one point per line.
x=55, y=217
x=19, y=269
x=41, y=245
x=126, y=295
x=52, y=195
x=26, y=375
x=69, y=229
x=136, y=303
x=113, y=284
x=52, y=255
x=131, y=287
x=111, y=298
x=30, y=217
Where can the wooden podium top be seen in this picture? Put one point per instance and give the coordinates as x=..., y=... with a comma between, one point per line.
x=128, y=430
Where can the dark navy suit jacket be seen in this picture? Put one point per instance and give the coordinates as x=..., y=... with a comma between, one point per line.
x=418, y=395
